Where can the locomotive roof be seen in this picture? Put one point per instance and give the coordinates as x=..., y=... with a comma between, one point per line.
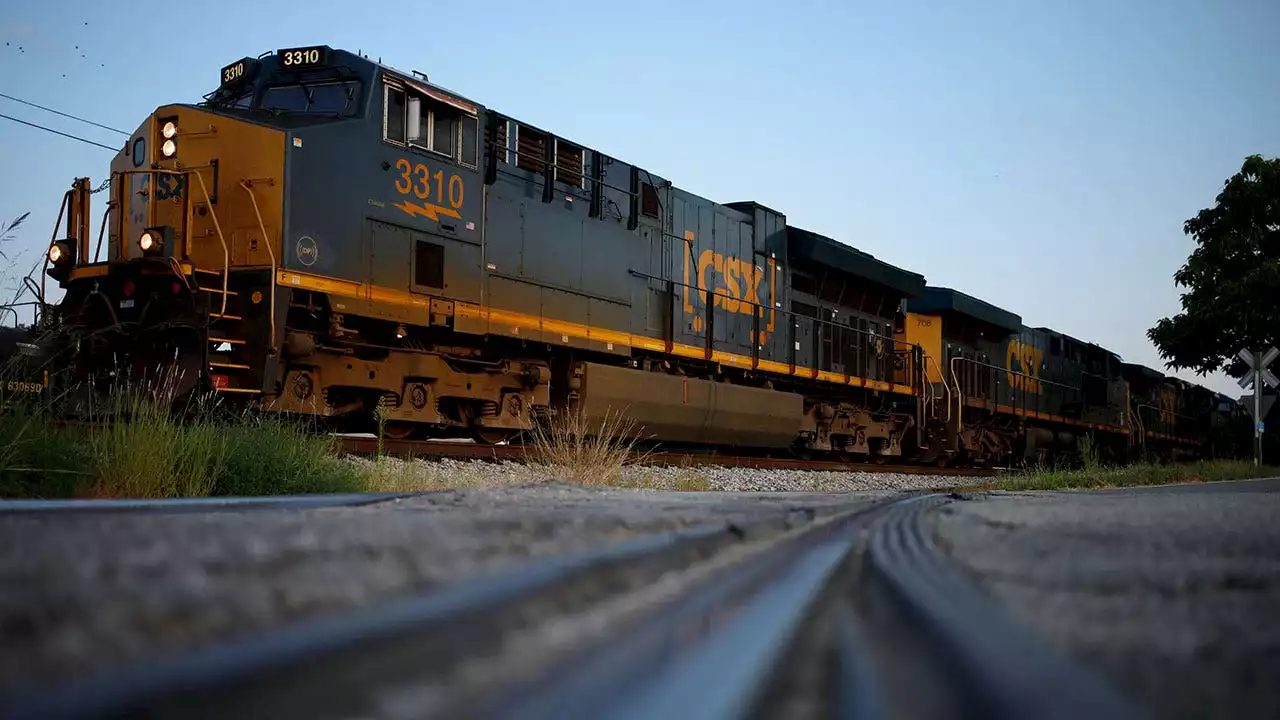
x=941, y=299
x=822, y=250
x=1134, y=369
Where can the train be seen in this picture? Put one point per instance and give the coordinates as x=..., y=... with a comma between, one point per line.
x=327, y=236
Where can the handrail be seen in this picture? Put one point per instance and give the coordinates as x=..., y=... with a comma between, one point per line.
x=1161, y=411
x=226, y=252
x=248, y=187
x=959, y=395
x=97, y=250
x=896, y=344
x=44, y=264
x=943, y=378
x=1038, y=379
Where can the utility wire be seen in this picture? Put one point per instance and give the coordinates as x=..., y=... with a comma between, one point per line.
x=59, y=132
x=66, y=115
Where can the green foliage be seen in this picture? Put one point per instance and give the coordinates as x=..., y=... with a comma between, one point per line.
x=143, y=450
x=269, y=456
x=37, y=459
x=1090, y=459
x=1232, y=276
x=1134, y=475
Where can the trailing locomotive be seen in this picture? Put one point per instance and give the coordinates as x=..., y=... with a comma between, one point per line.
x=329, y=236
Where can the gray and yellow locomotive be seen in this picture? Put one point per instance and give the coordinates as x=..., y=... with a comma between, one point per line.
x=329, y=236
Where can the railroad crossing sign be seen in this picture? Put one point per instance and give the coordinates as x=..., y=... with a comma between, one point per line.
x=1259, y=374
x=1260, y=367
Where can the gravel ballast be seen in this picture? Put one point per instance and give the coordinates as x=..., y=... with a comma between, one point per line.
x=393, y=474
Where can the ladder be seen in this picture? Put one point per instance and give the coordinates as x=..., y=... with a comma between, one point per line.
x=230, y=366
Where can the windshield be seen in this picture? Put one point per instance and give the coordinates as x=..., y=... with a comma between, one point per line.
x=337, y=98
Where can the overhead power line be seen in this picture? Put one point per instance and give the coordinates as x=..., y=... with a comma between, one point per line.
x=66, y=115
x=59, y=132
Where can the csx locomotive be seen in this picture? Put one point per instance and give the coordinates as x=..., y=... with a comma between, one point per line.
x=327, y=235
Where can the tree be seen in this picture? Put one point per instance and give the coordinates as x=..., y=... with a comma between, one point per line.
x=1232, y=277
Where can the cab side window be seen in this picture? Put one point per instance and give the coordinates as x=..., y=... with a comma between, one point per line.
x=416, y=120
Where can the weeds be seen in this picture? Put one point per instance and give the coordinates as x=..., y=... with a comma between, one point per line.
x=270, y=456
x=141, y=448
x=575, y=450
x=142, y=452
x=1089, y=456
x=1133, y=475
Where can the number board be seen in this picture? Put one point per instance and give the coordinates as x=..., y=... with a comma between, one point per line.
x=239, y=71
x=303, y=57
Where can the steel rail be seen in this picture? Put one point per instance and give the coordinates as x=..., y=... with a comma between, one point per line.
x=995, y=667
x=195, y=505
x=338, y=666
x=744, y=621
x=714, y=651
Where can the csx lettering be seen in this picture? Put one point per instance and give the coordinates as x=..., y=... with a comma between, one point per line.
x=1023, y=363
x=740, y=292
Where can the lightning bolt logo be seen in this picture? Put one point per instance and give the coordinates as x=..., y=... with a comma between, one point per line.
x=429, y=210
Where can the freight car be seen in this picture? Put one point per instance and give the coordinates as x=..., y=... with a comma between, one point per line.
x=329, y=236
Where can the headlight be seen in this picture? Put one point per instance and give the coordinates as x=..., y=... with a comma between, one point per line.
x=63, y=256
x=169, y=130
x=156, y=240
x=169, y=148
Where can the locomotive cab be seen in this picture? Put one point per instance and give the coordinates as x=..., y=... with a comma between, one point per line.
x=178, y=287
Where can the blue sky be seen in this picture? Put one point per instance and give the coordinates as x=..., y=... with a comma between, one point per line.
x=1041, y=158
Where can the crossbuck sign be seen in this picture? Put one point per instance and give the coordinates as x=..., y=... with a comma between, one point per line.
x=1257, y=375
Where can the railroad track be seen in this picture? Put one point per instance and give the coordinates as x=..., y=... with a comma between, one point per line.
x=365, y=445
x=848, y=613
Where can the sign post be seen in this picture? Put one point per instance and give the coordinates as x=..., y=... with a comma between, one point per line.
x=1258, y=377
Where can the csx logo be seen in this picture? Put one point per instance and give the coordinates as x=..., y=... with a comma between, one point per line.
x=741, y=281
x=736, y=285
x=1023, y=362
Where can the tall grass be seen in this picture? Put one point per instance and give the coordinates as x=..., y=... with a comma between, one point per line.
x=577, y=450
x=142, y=451
x=139, y=446
x=37, y=459
x=271, y=456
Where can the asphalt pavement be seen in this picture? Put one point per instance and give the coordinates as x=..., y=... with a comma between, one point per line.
x=1171, y=592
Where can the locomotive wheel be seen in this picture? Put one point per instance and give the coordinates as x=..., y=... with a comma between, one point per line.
x=398, y=430
x=493, y=436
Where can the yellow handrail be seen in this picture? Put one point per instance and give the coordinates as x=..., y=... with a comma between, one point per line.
x=248, y=187
x=943, y=378
x=959, y=395
x=226, y=252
